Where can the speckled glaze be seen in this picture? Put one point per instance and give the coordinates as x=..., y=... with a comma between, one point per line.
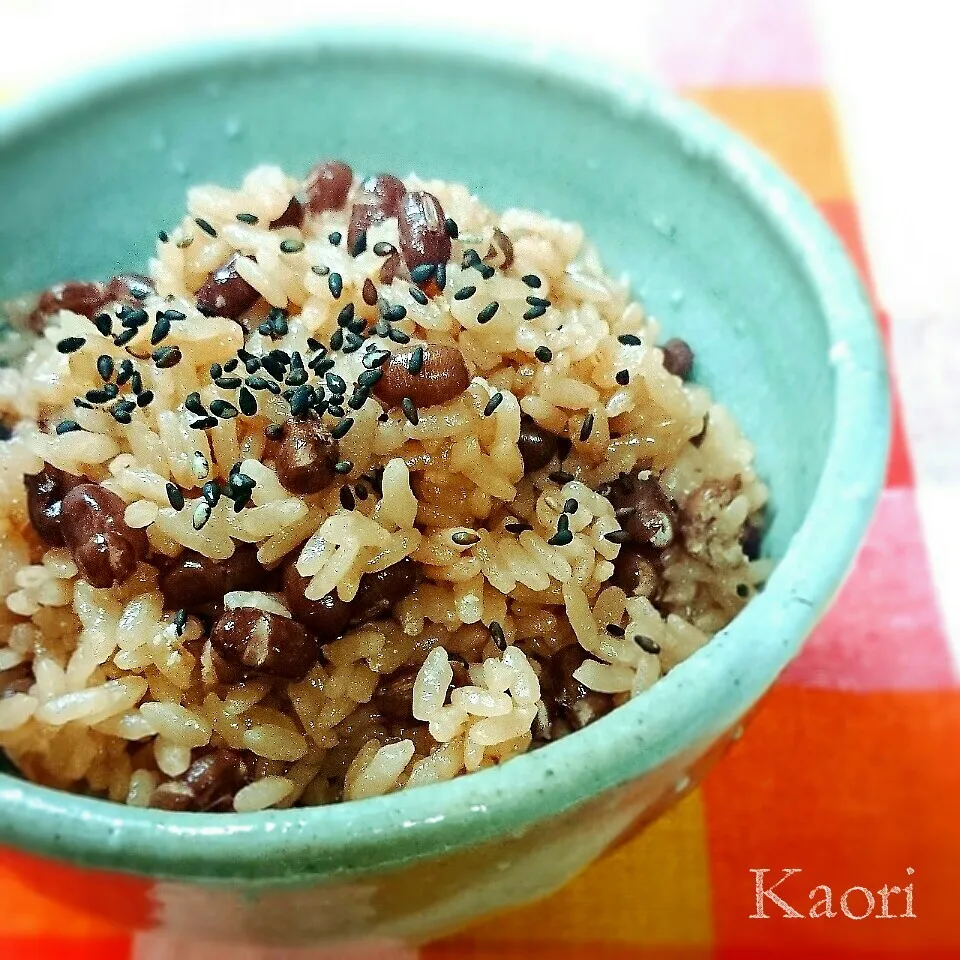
x=718, y=243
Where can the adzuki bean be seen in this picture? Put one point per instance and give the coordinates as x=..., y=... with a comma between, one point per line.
x=225, y=293
x=265, y=642
x=442, y=377
x=327, y=186
x=45, y=493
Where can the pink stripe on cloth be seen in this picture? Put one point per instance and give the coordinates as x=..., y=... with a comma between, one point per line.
x=885, y=631
x=734, y=42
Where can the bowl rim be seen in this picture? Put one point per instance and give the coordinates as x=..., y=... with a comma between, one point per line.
x=730, y=673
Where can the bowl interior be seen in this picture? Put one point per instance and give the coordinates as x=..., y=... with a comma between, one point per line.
x=108, y=176
x=716, y=242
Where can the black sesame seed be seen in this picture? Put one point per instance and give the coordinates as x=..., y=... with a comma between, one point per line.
x=175, y=496
x=381, y=328
x=278, y=323
x=488, y=312
x=470, y=258
x=166, y=357
x=335, y=238
x=180, y=621
x=465, y=538
x=441, y=275
x=229, y=366
x=415, y=360
x=361, y=491
x=615, y=630
x=347, y=499
x=211, y=492
x=563, y=523
x=571, y=506
x=451, y=227
x=174, y=316
x=335, y=283
x=623, y=377
x=647, y=644
x=339, y=430
x=132, y=316
x=534, y=312
x=257, y=383
x=493, y=403
x=359, y=245
x=376, y=358
x=561, y=538
x=296, y=378
x=336, y=383
x=216, y=370
x=122, y=339
x=301, y=400
x=630, y=340
x=343, y=467
x=204, y=226
x=98, y=396
x=121, y=414
x=369, y=377
x=250, y=218
x=398, y=336
x=410, y=410
x=204, y=423
x=617, y=536
x=543, y=354
x=160, y=331
x=345, y=316
x=352, y=342
x=383, y=249
x=67, y=426
x=240, y=481
x=252, y=365
x=517, y=527
x=394, y=313
x=163, y=236
x=538, y=302
x=247, y=402
x=273, y=366
x=291, y=246
x=743, y=591
x=497, y=635
x=336, y=339
x=104, y=323
x=228, y=383
x=320, y=270
x=320, y=365
x=184, y=242
x=586, y=428
x=145, y=399
x=335, y=409
x=82, y=404
x=201, y=515
x=561, y=476
x=105, y=366
x=124, y=371
x=533, y=281
x=485, y=270
x=357, y=399
x=423, y=272
x=464, y=293
x=136, y=382
x=193, y=403
x=70, y=344
x=222, y=409
x=419, y=296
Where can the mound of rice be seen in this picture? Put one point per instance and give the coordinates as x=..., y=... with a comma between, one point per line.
x=545, y=523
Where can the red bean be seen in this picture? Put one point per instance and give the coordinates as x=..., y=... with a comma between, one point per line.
x=643, y=510
x=291, y=217
x=379, y=592
x=18, y=679
x=265, y=642
x=393, y=699
x=102, y=545
x=130, y=288
x=443, y=376
x=635, y=571
x=195, y=580
x=327, y=186
x=306, y=456
x=328, y=617
x=537, y=446
x=45, y=493
x=564, y=697
x=74, y=295
x=393, y=267
x=225, y=293
x=678, y=357
x=209, y=783
x=377, y=200
x=423, y=230
x=500, y=252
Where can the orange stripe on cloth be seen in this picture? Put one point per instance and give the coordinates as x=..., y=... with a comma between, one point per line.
x=652, y=890
x=39, y=896
x=57, y=948
x=795, y=126
x=852, y=789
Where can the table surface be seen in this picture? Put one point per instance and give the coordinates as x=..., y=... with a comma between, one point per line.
x=847, y=771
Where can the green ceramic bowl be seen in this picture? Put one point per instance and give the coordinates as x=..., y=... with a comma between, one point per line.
x=720, y=246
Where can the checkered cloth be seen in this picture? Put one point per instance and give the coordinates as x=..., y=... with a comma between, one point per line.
x=848, y=769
